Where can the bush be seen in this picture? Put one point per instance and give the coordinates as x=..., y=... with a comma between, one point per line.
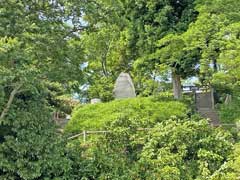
x=184, y=149
x=31, y=149
x=147, y=111
x=171, y=150
x=231, y=169
x=230, y=113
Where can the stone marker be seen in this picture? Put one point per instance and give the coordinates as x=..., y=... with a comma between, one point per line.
x=95, y=101
x=124, y=87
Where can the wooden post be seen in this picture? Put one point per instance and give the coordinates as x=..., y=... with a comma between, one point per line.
x=212, y=96
x=194, y=91
x=84, y=136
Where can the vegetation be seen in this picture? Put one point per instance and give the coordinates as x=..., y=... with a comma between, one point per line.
x=54, y=52
x=173, y=149
x=29, y=147
x=229, y=112
x=145, y=111
x=230, y=170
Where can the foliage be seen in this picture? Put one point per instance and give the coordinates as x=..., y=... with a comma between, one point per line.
x=126, y=34
x=104, y=54
x=37, y=48
x=50, y=49
x=228, y=76
x=160, y=18
x=230, y=169
x=230, y=113
x=172, y=51
x=117, y=150
x=83, y=167
x=32, y=149
x=184, y=150
x=172, y=149
x=102, y=88
x=58, y=99
x=208, y=34
x=146, y=111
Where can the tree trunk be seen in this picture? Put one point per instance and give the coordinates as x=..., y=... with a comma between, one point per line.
x=177, y=86
x=10, y=100
x=104, y=68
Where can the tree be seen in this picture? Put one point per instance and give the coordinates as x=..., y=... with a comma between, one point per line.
x=159, y=19
x=173, y=53
x=204, y=33
x=34, y=47
x=103, y=50
x=136, y=27
x=228, y=75
x=37, y=47
x=105, y=47
x=32, y=149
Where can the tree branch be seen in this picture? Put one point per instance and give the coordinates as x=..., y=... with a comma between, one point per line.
x=10, y=100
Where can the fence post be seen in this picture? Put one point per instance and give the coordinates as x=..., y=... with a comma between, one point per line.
x=237, y=125
x=84, y=136
x=212, y=98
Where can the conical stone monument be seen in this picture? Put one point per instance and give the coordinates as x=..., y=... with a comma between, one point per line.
x=124, y=87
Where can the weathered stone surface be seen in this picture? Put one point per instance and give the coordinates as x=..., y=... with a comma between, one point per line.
x=205, y=107
x=204, y=100
x=124, y=87
x=95, y=101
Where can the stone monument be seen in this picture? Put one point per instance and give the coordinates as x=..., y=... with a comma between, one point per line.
x=124, y=87
x=95, y=101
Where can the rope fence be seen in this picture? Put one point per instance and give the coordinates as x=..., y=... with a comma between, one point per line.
x=85, y=133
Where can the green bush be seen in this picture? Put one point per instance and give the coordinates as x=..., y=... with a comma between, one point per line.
x=31, y=149
x=147, y=111
x=184, y=149
x=171, y=150
x=231, y=169
x=230, y=113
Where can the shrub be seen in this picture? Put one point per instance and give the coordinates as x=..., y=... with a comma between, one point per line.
x=184, y=150
x=171, y=150
x=231, y=169
x=230, y=113
x=31, y=149
x=147, y=111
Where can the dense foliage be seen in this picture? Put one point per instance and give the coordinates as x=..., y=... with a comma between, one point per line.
x=35, y=55
x=30, y=147
x=145, y=111
x=229, y=170
x=54, y=50
x=229, y=112
x=185, y=150
x=173, y=149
